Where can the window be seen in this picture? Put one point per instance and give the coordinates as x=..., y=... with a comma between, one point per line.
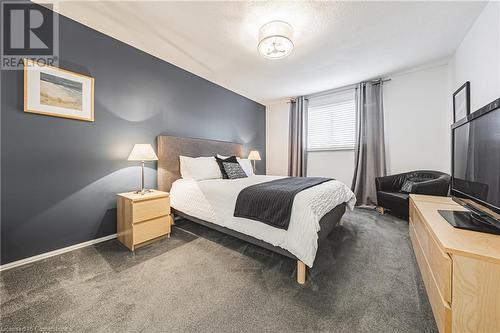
x=332, y=121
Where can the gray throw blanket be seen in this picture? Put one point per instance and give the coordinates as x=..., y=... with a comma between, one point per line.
x=271, y=202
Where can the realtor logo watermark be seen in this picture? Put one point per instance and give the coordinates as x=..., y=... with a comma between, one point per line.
x=28, y=31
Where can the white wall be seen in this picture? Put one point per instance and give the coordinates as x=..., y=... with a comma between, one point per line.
x=416, y=126
x=277, y=128
x=338, y=165
x=418, y=108
x=477, y=59
x=333, y=164
x=416, y=121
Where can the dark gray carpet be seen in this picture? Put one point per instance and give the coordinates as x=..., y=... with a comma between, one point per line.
x=365, y=279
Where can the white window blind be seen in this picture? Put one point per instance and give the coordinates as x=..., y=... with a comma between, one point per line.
x=332, y=121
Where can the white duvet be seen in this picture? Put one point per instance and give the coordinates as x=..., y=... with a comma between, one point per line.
x=214, y=201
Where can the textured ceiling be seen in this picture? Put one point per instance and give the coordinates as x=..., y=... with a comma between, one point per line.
x=336, y=43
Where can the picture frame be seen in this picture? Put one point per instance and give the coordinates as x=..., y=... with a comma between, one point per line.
x=461, y=102
x=53, y=91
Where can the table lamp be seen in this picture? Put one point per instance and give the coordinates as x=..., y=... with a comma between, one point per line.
x=254, y=156
x=142, y=152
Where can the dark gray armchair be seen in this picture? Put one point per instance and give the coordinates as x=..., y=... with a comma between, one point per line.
x=391, y=196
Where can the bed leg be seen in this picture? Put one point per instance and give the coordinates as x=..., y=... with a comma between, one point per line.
x=301, y=272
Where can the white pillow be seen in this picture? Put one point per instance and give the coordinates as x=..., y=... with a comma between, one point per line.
x=245, y=163
x=199, y=168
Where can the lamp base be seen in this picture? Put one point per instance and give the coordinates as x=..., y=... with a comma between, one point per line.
x=143, y=191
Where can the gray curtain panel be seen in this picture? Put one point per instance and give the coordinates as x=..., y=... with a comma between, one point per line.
x=297, y=163
x=370, y=143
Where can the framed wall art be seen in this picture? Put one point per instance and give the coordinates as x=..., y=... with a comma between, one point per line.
x=56, y=92
x=461, y=102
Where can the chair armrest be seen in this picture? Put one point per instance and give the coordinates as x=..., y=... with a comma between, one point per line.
x=439, y=186
x=390, y=183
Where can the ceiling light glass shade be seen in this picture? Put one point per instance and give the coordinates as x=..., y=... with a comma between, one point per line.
x=275, y=39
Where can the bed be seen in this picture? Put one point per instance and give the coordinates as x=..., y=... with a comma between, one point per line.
x=316, y=211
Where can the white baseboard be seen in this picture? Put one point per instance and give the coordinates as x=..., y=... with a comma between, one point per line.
x=55, y=252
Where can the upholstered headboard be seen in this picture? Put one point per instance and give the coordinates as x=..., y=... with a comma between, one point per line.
x=170, y=147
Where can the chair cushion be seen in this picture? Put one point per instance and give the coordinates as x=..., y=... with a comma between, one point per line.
x=397, y=198
x=396, y=202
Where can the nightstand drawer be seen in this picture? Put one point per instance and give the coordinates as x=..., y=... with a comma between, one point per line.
x=150, y=209
x=151, y=229
x=142, y=217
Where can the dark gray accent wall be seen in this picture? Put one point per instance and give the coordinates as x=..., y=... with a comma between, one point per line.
x=60, y=176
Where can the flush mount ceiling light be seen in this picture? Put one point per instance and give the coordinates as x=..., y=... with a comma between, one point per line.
x=275, y=39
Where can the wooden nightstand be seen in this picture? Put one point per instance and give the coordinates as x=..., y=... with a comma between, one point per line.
x=142, y=218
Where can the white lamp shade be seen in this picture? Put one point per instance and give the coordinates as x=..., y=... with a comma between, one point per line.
x=275, y=40
x=254, y=155
x=142, y=152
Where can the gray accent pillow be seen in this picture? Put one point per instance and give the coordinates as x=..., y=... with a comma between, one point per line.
x=407, y=186
x=234, y=170
x=409, y=182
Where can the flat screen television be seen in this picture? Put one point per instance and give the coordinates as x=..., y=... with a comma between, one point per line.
x=475, y=178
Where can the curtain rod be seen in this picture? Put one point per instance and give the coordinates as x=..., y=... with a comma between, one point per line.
x=351, y=86
x=380, y=80
x=330, y=91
